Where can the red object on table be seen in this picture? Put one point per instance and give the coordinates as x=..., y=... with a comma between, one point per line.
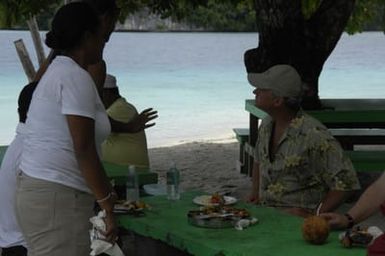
x=377, y=248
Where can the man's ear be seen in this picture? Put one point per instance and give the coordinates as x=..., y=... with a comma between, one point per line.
x=278, y=101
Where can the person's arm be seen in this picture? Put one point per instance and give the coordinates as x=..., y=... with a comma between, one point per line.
x=368, y=203
x=139, y=123
x=333, y=200
x=337, y=171
x=83, y=138
x=254, y=193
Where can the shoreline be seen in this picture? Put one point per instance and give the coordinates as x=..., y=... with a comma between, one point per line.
x=225, y=138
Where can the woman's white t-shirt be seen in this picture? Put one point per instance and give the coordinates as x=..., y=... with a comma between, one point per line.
x=48, y=153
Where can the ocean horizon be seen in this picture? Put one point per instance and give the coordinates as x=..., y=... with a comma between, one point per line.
x=197, y=81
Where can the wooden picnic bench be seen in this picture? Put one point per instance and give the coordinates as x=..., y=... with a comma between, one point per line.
x=353, y=122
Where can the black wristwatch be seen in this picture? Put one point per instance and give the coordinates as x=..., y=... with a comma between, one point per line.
x=350, y=220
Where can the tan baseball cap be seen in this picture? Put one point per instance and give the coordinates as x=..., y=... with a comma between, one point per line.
x=283, y=80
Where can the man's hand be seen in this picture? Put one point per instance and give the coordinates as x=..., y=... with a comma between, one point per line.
x=335, y=220
x=140, y=122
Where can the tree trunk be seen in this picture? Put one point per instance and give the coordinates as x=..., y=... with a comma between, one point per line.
x=286, y=37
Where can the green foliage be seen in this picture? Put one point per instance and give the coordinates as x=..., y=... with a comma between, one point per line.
x=365, y=12
x=224, y=16
x=13, y=12
x=220, y=15
x=309, y=7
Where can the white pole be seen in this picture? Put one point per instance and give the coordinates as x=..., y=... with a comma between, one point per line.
x=36, y=38
x=25, y=60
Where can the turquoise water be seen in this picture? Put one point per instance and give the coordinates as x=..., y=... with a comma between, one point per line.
x=197, y=81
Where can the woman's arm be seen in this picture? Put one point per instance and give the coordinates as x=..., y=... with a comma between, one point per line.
x=83, y=137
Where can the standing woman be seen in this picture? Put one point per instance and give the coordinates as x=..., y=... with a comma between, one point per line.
x=61, y=174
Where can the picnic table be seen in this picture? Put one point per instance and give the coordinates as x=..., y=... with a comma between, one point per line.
x=277, y=233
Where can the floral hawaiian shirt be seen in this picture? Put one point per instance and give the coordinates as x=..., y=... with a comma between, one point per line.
x=308, y=163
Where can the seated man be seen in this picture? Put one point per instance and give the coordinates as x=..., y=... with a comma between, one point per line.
x=298, y=164
x=126, y=145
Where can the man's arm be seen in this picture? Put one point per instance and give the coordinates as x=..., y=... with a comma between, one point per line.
x=338, y=173
x=333, y=200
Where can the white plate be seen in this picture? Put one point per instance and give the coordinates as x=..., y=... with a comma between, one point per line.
x=155, y=189
x=205, y=200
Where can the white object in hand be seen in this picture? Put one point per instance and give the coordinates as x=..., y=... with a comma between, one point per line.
x=98, y=244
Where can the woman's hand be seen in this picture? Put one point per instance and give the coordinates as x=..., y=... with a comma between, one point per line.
x=111, y=232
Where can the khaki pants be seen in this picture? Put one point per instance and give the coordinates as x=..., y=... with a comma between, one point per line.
x=53, y=218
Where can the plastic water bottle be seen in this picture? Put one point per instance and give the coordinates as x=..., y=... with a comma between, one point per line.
x=132, y=185
x=173, y=183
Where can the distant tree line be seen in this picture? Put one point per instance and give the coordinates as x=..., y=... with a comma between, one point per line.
x=214, y=15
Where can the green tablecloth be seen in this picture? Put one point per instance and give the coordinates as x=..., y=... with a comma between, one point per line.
x=276, y=234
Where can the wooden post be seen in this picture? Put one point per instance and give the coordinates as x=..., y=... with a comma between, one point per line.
x=33, y=28
x=25, y=60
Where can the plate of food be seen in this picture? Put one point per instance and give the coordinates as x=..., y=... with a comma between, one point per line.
x=214, y=199
x=217, y=216
x=134, y=208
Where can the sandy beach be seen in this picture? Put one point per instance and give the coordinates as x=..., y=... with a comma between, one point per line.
x=208, y=166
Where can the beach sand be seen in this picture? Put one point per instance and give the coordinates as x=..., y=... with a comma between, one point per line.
x=206, y=166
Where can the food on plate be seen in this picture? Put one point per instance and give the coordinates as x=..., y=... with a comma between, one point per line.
x=217, y=216
x=217, y=199
x=131, y=207
x=356, y=236
x=220, y=212
x=315, y=230
x=214, y=199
